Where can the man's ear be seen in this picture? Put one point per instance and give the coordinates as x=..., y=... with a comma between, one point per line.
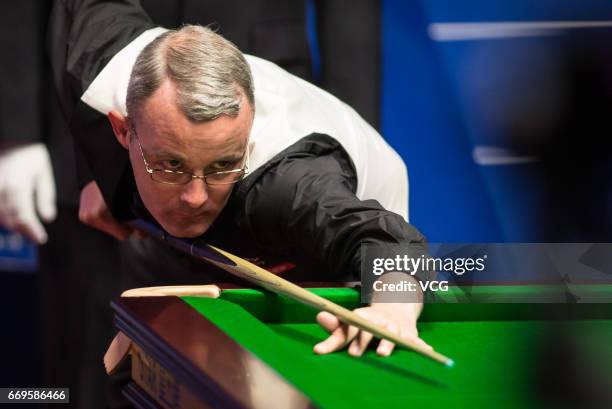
x=120, y=127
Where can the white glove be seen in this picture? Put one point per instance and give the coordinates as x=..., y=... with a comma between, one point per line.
x=27, y=190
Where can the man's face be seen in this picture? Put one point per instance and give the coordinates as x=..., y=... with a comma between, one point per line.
x=171, y=141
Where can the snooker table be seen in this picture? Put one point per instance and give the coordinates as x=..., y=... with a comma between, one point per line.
x=253, y=349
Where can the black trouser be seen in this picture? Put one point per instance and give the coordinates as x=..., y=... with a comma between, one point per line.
x=79, y=275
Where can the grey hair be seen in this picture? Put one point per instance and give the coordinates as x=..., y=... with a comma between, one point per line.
x=210, y=74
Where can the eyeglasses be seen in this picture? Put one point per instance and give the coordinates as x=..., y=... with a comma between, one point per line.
x=177, y=177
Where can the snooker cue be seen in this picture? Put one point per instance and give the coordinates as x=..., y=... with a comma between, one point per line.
x=271, y=282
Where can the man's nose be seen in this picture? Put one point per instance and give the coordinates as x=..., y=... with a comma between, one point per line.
x=195, y=193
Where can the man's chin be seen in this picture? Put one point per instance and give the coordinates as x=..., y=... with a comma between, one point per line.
x=187, y=232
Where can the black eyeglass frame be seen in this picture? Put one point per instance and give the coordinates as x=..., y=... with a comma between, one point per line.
x=152, y=171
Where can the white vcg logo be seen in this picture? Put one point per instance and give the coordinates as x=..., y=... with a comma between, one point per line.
x=434, y=285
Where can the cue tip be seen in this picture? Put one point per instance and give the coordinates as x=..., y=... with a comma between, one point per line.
x=450, y=363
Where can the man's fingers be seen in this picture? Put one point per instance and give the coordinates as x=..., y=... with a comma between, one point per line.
x=396, y=318
x=361, y=341
x=332, y=325
x=328, y=321
x=385, y=347
x=414, y=336
x=45, y=197
x=337, y=340
x=422, y=343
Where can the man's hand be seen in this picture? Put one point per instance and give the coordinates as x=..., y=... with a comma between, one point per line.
x=94, y=212
x=27, y=190
x=400, y=318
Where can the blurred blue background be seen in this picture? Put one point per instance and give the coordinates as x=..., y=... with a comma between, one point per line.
x=453, y=92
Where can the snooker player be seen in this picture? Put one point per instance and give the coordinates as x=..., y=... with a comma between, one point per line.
x=227, y=147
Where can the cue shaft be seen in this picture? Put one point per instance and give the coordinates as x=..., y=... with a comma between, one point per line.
x=276, y=284
x=272, y=282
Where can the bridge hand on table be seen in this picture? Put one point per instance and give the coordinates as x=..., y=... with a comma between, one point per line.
x=400, y=318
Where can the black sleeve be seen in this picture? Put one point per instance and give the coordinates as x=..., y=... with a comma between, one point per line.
x=304, y=206
x=83, y=36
